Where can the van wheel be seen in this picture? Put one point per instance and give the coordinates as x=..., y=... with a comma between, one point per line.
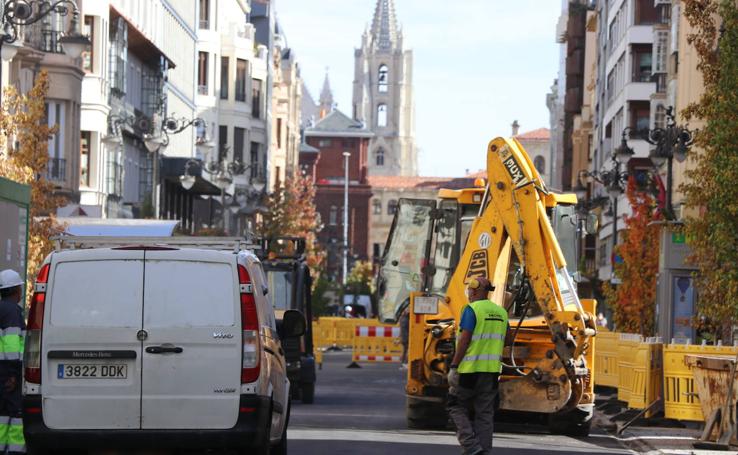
x=36, y=451
x=281, y=447
x=308, y=392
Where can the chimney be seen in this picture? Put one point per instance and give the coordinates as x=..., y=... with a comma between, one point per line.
x=515, y=128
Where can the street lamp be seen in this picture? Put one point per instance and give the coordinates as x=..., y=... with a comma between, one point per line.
x=21, y=13
x=346, y=156
x=671, y=142
x=613, y=179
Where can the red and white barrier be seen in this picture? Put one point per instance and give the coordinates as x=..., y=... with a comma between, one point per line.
x=379, y=332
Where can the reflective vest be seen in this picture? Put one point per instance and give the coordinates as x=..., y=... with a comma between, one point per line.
x=484, y=354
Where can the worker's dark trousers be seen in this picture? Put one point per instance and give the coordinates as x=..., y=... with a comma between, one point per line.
x=472, y=408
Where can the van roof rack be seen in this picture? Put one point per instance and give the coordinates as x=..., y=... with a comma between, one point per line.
x=71, y=242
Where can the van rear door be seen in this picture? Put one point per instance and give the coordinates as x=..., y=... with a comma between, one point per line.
x=91, y=357
x=192, y=354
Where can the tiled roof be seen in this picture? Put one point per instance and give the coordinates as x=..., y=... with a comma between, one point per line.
x=430, y=183
x=541, y=134
x=339, y=123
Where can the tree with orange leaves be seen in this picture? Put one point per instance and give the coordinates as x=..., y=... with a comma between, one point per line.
x=634, y=300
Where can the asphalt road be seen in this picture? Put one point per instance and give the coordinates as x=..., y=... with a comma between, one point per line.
x=362, y=411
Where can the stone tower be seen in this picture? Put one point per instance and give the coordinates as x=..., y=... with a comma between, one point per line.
x=383, y=94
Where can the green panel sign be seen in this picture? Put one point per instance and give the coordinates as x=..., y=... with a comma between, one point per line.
x=14, y=208
x=678, y=238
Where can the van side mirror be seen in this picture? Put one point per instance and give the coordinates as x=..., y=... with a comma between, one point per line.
x=293, y=324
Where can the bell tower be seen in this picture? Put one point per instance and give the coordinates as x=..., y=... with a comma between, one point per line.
x=383, y=94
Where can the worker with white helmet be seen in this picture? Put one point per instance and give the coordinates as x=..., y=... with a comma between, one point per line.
x=12, y=333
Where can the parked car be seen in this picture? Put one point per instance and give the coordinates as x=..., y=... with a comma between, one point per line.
x=155, y=343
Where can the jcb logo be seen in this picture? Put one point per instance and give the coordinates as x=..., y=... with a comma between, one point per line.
x=477, y=266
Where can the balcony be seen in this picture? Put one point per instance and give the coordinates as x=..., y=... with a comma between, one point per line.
x=43, y=38
x=660, y=79
x=56, y=171
x=204, y=24
x=202, y=89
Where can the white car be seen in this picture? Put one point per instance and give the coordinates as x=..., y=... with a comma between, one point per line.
x=150, y=346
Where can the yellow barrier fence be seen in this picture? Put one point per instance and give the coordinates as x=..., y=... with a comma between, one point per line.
x=606, y=358
x=376, y=344
x=680, y=394
x=646, y=383
x=627, y=349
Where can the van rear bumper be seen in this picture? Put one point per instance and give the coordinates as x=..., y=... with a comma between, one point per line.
x=250, y=431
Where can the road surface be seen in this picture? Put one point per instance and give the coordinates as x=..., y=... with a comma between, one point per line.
x=361, y=411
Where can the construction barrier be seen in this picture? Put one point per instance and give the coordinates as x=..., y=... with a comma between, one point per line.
x=648, y=369
x=627, y=349
x=680, y=393
x=606, y=358
x=376, y=344
x=337, y=333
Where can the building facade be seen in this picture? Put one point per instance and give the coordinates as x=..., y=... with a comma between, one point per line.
x=383, y=94
x=323, y=158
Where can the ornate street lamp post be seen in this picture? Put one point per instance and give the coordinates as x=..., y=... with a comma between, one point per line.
x=671, y=142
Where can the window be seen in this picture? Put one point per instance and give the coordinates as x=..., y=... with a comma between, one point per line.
x=202, y=73
x=279, y=133
x=642, y=63
x=640, y=117
x=205, y=14
x=659, y=51
x=377, y=205
x=376, y=250
x=88, y=55
x=256, y=98
x=222, y=142
x=333, y=216
x=224, y=63
x=392, y=207
x=540, y=163
x=382, y=115
x=118, y=58
x=241, y=74
x=383, y=79
x=254, y=157
x=380, y=157
x=84, y=158
x=645, y=12
x=659, y=118
x=324, y=143
x=239, y=138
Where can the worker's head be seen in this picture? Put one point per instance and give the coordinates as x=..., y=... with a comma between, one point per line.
x=11, y=285
x=478, y=289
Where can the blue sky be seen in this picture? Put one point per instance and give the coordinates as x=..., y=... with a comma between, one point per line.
x=479, y=65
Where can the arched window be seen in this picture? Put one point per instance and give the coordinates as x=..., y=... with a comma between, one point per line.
x=333, y=216
x=380, y=157
x=377, y=203
x=382, y=115
x=392, y=207
x=540, y=163
x=383, y=79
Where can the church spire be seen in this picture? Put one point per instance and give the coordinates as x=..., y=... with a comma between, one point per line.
x=326, y=97
x=384, y=29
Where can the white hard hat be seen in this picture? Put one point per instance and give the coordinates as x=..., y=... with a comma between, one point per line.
x=9, y=279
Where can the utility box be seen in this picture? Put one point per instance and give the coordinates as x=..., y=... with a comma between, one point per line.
x=15, y=201
x=676, y=296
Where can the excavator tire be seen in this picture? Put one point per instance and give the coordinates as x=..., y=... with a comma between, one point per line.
x=575, y=423
x=426, y=415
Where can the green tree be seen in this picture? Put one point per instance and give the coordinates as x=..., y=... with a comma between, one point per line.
x=24, y=136
x=711, y=187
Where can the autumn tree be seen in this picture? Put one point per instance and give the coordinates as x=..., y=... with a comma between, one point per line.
x=24, y=136
x=711, y=189
x=634, y=299
x=290, y=211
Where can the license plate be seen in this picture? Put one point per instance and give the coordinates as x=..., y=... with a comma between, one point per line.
x=91, y=371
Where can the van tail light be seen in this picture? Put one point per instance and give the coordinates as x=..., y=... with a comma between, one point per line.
x=250, y=326
x=32, y=354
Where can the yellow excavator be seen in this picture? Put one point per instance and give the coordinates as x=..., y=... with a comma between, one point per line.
x=515, y=232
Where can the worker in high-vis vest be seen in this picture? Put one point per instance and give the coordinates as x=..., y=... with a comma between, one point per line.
x=476, y=367
x=12, y=334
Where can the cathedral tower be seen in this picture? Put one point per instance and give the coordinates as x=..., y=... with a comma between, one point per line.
x=383, y=94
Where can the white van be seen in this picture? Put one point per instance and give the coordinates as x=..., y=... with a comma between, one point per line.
x=155, y=344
